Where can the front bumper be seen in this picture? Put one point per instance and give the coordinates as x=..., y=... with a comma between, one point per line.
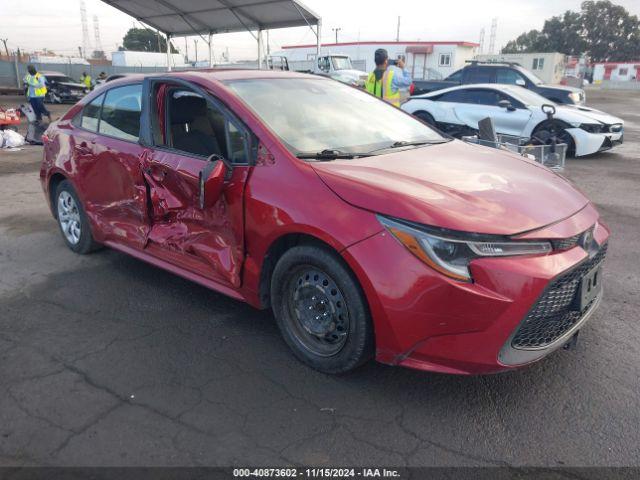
x=426, y=321
x=588, y=143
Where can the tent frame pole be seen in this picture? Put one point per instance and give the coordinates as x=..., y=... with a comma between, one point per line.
x=259, y=49
x=319, y=38
x=210, y=50
x=168, y=52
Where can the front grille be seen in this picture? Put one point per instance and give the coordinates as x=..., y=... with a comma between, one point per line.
x=554, y=313
x=570, y=242
x=566, y=243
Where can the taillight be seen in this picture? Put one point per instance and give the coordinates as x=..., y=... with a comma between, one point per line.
x=45, y=138
x=412, y=88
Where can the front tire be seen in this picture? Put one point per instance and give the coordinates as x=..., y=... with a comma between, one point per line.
x=425, y=117
x=546, y=130
x=321, y=310
x=72, y=220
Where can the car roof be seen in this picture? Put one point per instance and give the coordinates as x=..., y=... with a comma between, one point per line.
x=51, y=72
x=215, y=75
x=469, y=86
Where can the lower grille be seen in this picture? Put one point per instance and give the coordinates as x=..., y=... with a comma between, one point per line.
x=554, y=313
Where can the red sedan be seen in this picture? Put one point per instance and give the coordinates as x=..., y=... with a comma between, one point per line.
x=368, y=233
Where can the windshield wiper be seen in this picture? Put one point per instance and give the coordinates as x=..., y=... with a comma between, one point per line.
x=329, y=154
x=404, y=143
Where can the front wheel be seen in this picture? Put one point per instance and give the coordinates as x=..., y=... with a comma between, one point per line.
x=321, y=310
x=544, y=133
x=72, y=220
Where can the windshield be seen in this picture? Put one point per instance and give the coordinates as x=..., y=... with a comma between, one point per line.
x=531, y=76
x=312, y=115
x=528, y=97
x=341, y=63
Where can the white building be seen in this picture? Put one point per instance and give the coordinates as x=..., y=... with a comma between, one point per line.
x=616, y=71
x=549, y=67
x=145, y=59
x=424, y=59
x=57, y=60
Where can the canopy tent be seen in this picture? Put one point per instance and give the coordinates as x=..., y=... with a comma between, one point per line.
x=176, y=18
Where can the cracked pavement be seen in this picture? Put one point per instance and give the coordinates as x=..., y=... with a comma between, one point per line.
x=107, y=361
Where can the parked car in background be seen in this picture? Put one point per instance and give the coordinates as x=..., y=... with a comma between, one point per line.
x=518, y=112
x=62, y=89
x=504, y=73
x=368, y=233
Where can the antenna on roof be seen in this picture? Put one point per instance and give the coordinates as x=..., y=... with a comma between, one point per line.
x=481, y=42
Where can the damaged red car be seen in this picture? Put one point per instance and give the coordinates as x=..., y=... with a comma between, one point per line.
x=368, y=233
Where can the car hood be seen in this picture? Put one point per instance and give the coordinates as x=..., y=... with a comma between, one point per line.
x=73, y=85
x=579, y=114
x=455, y=186
x=564, y=88
x=348, y=75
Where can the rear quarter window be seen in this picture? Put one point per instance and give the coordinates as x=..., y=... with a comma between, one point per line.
x=120, y=116
x=89, y=117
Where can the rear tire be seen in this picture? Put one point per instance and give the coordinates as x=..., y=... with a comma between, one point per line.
x=72, y=220
x=321, y=310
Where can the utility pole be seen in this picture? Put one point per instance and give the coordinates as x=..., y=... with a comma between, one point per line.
x=5, y=40
x=195, y=42
x=336, y=30
x=80, y=51
x=186, y=50
x=398, y=31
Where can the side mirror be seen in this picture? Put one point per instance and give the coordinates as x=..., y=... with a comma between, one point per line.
x=506, y=104
x=212, y=178
x=520, y=82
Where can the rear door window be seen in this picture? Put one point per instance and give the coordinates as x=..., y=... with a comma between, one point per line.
x=508, y=76
x=457, y=96
x=121, y=113
x=90, y=115
x=484, y=97
x=455, y=77
x=480, y=75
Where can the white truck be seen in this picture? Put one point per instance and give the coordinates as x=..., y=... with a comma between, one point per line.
x=336, y=66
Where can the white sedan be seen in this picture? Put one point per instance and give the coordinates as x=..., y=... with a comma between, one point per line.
x=519, y=112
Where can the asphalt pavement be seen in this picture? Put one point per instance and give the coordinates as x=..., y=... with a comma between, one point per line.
x=105, y=360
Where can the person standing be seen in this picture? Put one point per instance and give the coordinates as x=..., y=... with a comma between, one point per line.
x=37, y=89
x=385, y=82
x=86, y=79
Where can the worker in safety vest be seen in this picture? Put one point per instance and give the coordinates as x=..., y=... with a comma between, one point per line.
x=37, y=89
x=386, y=81
x=86, y=79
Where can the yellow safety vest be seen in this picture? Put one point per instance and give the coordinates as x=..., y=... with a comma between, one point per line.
x=383, y=88
x=37, y=91
x=87, y=81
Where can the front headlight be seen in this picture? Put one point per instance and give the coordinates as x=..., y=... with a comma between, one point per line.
x=451, y=255
x=592, y=127
x=575, y=97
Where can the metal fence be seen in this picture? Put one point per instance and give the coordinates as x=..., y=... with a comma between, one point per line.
x=74, y=71
x=9, y=79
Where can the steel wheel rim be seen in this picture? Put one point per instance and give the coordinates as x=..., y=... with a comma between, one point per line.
x=318, y=313
x=69, y=218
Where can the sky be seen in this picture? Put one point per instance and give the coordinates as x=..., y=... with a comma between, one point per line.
x=55, y=25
